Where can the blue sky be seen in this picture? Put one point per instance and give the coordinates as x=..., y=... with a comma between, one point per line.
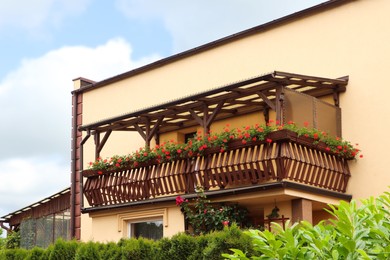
x=47, y=43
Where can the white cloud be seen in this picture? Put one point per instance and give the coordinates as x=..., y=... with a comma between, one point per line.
x=27, y=180
x=36, y=117
x=34, y=14
x=192, y=23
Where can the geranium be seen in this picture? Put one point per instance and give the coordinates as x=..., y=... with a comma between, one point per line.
x=197, y=145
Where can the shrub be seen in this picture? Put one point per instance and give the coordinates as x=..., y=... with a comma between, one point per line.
x=87, y=251
x=178, y=247
x=64, y=250
x=355, y=233
x=36, y=253
x=138, y=249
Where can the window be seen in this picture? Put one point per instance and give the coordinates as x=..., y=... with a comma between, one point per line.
x=151, y=229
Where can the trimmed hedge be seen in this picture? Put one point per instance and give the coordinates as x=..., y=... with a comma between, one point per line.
x=179, y=247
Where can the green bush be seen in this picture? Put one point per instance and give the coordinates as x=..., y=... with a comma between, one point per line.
x=36, y=253
x=88, y=251
x=354, y=233
x=221, y=242
x=178, y=247
x=110, y=251
x=64, y=250
x=13, y=254
x=138, y=249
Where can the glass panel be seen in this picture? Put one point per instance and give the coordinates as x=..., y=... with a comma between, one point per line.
x=44, y=231
x=62, y=225
x=27, y=233
x=149, y=229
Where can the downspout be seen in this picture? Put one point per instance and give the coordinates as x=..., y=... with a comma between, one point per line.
x=73, y=165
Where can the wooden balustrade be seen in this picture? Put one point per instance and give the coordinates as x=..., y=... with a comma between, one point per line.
x=288, y=157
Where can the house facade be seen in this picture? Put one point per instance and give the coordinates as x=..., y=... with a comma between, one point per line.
x=324, y=66
x=334, y=57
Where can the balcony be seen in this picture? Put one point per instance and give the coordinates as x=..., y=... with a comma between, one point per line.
x=288, y=159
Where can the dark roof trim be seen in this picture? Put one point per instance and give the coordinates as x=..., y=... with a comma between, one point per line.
x=222, y=193
x=257, y=29
x=43, y=201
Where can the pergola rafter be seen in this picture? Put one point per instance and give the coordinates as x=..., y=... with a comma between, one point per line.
x=260, y=93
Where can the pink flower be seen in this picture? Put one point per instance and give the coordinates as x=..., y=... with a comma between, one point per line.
x=225, y=223
x=179, y=150
x=179, y=200
x=327, y=149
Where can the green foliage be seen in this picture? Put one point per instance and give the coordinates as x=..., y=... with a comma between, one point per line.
x=87, y=251
x=36, y=253
x=13, y=254
x=138, y=249
x=110, y=251
x=12, y=240
x=221, y=242
x=204, y=217
x=354, y=233
x=178, y=247
x=64, y=250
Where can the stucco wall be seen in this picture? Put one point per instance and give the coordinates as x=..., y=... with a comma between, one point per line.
x=352, y=39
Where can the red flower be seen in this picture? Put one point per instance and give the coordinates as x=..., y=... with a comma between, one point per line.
x=244, y=141
x=232, y=137
x=260, y=129
x=119, y=160
x=225, y=223
x=117, y=165
x=254, y=138
x=205, y=211
x=222, y=150
x=179, y=151
x=361, y=156
x=327, y=148
x=339, y=147
x=315, y=136
x=179, y=200
x=290, y=122
x=247, y=135
x=135, y=164
x=305, y=124
x=100, y=172
x=268, y=140
x=224, y=140
x=145, y=154
x=247, y=127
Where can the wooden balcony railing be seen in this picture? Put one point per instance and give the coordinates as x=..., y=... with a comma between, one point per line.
x=288, y=157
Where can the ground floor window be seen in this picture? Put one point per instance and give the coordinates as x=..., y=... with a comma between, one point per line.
x=151, y=229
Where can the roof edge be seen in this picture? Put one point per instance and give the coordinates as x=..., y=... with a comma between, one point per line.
x=233, y=37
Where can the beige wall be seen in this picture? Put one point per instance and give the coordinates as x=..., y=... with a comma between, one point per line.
x=352, y=39
x=112, y=225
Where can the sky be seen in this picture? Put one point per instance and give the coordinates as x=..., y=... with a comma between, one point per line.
x=47, y=43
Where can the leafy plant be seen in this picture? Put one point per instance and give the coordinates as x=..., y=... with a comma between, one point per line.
x=355, y=233
x=204, y=216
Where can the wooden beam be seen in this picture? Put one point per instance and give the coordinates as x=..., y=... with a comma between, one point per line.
x=266, y=100
x=103, y=142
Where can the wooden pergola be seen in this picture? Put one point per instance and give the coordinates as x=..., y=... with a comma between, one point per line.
x=260, y=93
